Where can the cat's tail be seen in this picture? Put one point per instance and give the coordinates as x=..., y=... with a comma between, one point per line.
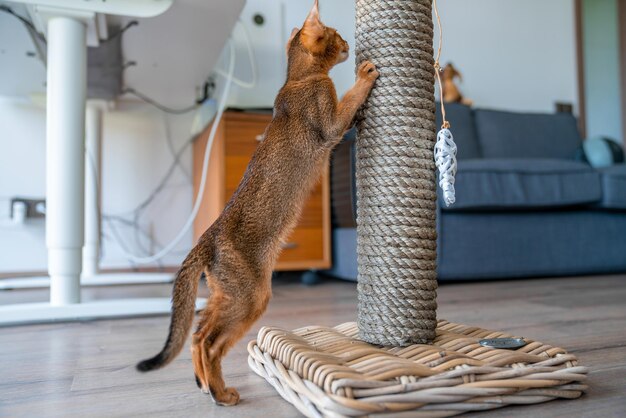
x=183, y=310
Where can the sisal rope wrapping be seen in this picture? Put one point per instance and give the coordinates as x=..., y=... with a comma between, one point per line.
x=395, y=175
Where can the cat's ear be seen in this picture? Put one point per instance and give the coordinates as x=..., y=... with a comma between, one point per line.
x=294, y=32
x=313, y=31
x=455, y=72
x=314, y=14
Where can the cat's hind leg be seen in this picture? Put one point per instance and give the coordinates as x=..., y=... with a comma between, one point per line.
x=208, y=351
x=230, y=321
x=215, y=353
x=208, y=317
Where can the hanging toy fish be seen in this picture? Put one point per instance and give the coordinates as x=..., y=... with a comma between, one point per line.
x=445, y=160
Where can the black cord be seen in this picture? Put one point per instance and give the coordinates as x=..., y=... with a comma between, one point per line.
x=120, y=32
x=130, y=90
x=207, y=91
x=29, y=26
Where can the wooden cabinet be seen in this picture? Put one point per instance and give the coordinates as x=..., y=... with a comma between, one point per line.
x=236, y=139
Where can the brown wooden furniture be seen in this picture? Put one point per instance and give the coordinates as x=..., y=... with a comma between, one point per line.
x=236, y=139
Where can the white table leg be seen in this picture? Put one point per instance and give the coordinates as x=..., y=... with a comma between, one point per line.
x=67, y=84
x=93, y=159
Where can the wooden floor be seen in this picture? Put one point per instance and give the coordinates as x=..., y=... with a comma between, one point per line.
x=87, y=369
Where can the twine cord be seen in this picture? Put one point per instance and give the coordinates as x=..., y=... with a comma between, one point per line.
x=438, y=69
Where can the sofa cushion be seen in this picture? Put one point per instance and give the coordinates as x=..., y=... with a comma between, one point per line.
x=526, y=135
x=613, y=187
x=524, y=183
x=461, y=119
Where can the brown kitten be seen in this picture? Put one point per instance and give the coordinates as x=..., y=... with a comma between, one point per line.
x=451, y=93
x=238, y=252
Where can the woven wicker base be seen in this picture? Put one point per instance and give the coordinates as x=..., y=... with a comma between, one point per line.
x=328, y=372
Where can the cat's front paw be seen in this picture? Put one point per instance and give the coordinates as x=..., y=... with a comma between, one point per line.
x=367, y=71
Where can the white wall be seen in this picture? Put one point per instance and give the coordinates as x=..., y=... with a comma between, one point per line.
x=513, y=54
x=22, y=173
x=135, y=157
x=602, y=69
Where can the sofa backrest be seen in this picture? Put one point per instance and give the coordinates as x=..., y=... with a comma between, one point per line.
x=463, y=129
x=526, y=135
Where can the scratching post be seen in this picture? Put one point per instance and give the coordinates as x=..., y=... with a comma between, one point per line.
x=398, y=359
x=395, y=175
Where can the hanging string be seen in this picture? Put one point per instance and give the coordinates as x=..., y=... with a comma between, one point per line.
x=445, y=148
x=438, y=69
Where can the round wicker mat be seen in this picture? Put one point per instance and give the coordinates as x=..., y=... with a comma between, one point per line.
x=327, y=372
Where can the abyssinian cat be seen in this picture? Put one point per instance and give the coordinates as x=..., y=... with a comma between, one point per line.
x=238, y=252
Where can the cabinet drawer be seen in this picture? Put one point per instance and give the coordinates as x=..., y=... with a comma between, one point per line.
x=244, y=136
x=304, y=246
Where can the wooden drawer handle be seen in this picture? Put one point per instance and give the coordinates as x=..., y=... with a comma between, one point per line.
x=288, y=245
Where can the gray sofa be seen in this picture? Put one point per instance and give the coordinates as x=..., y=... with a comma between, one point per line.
x=525, y=206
